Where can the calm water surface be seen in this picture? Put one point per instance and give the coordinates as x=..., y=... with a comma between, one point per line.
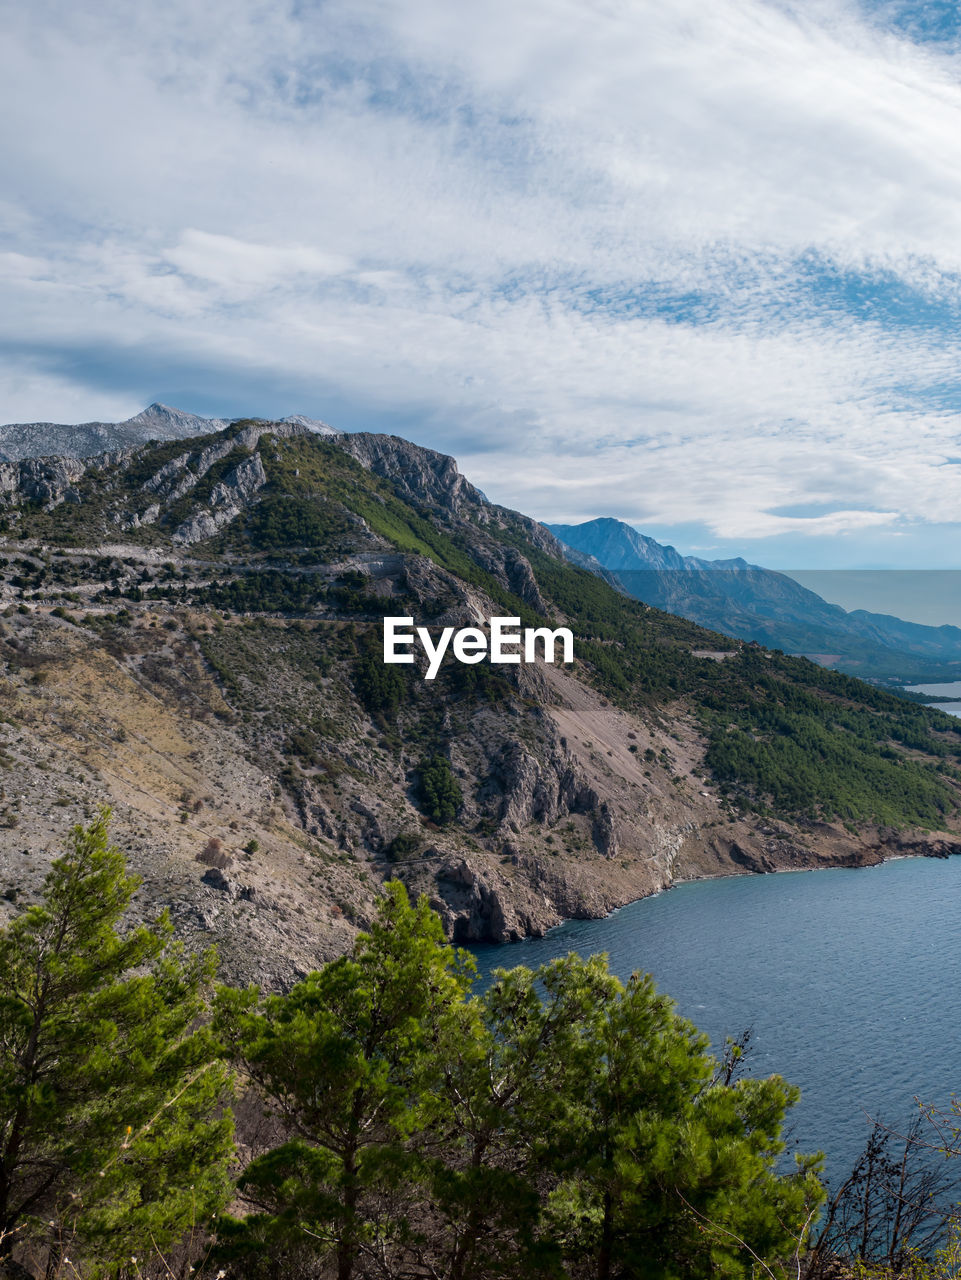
x=850, y=979
x=951, y=690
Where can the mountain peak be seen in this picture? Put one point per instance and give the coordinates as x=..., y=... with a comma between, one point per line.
x=617, y=545
x=160, y=410
x=158, y=421
x=162, y=421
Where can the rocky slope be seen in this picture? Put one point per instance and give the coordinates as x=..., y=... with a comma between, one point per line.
x=19, y=440
x=191, y=634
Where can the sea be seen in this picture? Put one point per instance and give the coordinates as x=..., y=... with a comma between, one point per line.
x=848, y=981
x=929, y=596
x=951, y=690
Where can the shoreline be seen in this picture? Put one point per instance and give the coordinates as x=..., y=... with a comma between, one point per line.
x=709, y=876
x=470, y=946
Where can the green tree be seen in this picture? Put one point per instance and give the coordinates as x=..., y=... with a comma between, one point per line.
x=564, y=1124
x=440, y=794
x=590, y=1134
x=667, y=1170
x=380, y=687
x=112, y=1129
x=507, y=1088
x=350, y=1059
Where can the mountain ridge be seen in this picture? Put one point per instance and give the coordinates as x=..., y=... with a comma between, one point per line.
x=191, y=633
x=22, y=440
x=752, y=603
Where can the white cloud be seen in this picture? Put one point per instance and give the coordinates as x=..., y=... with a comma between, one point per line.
x=237, y=268
x=603, y=251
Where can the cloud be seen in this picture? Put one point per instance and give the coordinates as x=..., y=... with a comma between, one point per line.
x=673, y=263
x=237, y=268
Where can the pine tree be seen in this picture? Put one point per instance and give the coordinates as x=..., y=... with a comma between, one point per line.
x=351, y=1059
x=440, y=794
x=113, y=1134
x=666, y=1169
x=563, y=1124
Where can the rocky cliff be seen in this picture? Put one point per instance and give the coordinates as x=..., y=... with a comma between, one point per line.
x=191, y=634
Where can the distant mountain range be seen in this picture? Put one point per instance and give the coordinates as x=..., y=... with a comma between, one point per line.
x=84, y=440
x=753, y=603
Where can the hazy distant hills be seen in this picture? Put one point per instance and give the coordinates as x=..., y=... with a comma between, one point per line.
x=753, y=603
x=83, y=440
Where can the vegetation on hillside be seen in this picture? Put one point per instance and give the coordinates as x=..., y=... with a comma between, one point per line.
x=782, y=735
x=439, y=792
x=113, y=1133
x=562, y=1124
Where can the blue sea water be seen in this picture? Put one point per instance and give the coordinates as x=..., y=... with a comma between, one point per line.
x=952, y=690
x=849, y=979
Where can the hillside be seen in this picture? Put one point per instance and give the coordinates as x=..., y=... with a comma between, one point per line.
x=192, y=633
x=751, y=603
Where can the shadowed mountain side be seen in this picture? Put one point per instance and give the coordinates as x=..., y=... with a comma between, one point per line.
x=769, y=608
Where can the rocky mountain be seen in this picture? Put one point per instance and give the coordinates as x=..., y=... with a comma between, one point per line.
x=19, y=440
x=191, y=632
x=751, y=603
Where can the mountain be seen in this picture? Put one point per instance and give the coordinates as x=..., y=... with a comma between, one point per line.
x=191, y=632
x=20, y=440
x=756, y=604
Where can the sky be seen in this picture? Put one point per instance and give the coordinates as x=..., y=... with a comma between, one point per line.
x=695, y=266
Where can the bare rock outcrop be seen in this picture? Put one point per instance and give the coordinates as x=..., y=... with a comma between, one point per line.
x=477, y=906
x=420, y=475
x=227, y=500
x=46, y=481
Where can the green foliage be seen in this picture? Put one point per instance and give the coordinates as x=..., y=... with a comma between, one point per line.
x=562, y=1125
x=786, y=735
x=659, y=1166
x=476, y=682
x=783, y=733
x=438, y=791
x=405, y=845
x=306, y=745
x=380, y=686
x=679, y=1164
x=315, y=469
x=264, y=591
x=111, y=1126
x=282, y=520
x=345, y=1058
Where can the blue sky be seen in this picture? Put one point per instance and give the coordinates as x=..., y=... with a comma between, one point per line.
x=694, y=266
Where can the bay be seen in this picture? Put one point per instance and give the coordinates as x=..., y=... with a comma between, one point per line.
x=950, y=690
x=849, y=980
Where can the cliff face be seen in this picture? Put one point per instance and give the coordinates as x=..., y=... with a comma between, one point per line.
x=191, y=634
x=44, y=481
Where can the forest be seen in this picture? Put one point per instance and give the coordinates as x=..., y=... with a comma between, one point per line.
x=379, y=1119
